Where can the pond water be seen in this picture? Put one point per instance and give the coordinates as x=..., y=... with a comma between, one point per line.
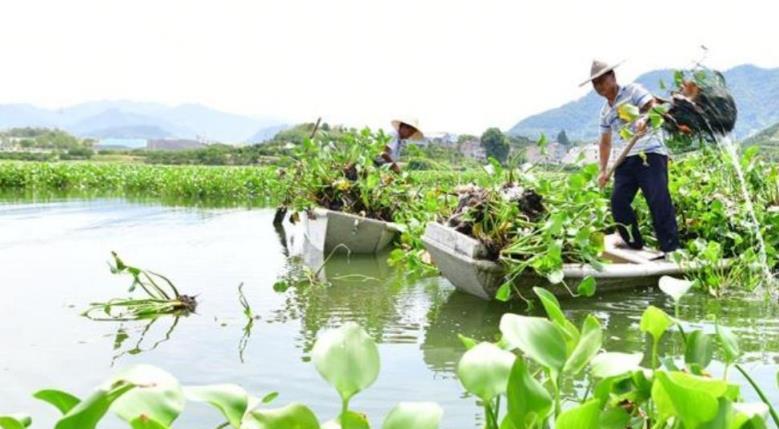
x=53, y=263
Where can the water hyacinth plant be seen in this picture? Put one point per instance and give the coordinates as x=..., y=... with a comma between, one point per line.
x=620, y=393
x=161, y=297
x=146, y=397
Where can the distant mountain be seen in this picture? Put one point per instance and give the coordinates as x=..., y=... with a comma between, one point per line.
x=756, y=91
x=267, y=133
x=768, y=140
x=129, y=119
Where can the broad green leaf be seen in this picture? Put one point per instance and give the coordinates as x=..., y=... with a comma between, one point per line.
x=555, y=277
x=614, y=418
x=699, y=348
x=87, y=413
x=611, y=364
x=64, y=401
x=584, y=416
x=691, y=398
x=655, y=321
x=627, y=112
x=484, y=370
x=528, y=401
x=416, y=415
x=14, y=421
x=158, y=395
x=729, y=344
x=349, y=420
x=143, y=422
x=504, y=292
x=589, y=344
x=673, y=287
x=556, y=315
x=292, y=416
x=587, y=286
x=231, y=400
x=347, y=358
x=538, y=338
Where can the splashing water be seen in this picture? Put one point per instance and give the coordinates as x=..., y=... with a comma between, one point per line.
x=731, y=147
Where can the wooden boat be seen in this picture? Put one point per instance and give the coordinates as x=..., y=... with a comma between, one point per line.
x=459, y=258
x=327, y=230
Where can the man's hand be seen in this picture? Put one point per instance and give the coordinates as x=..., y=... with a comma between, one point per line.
x=603, y=178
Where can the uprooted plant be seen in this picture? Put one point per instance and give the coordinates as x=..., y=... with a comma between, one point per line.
x=161, y=297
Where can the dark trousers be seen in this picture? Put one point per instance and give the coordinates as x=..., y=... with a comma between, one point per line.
x=652, y=178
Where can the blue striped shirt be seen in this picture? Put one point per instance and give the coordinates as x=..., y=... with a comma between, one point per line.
x=610, y=122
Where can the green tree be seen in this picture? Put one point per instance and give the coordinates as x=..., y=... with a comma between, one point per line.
x=495, y=144
x=562, y=138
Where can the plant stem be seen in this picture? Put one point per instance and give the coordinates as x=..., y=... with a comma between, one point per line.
x=760, y=393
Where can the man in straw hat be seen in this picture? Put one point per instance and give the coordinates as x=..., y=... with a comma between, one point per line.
x=645, y=167
x=406, y=129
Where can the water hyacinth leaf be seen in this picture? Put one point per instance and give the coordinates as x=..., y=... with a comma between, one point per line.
x=556, y=315
x=529, y=402
x=417, y=415
x=655, y=321
x=611, y=364
x=628, y=112
x=673, y=287
x=14, y=421
x=699, y=348
x=143, y=422
x=584, y=416
x=63, y=401
x=347, y=358
x=87, y=413
x=267, y=399
x=468, y=342
x=729, y=343
x=587, y=287
x=538, y=338
x=589, y=344
x=158, y=395
x=688, y=397
x=292, y=416
x=555, y=277
x=231, y=400
x=348, y=420
x=614, y=418
x=484, y=370
x=504, y=292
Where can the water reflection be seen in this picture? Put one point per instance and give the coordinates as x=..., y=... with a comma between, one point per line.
x=126, y=344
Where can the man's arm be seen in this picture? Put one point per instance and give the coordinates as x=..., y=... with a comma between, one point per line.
x=604, y=150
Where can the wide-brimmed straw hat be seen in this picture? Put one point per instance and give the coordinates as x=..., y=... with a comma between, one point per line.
x=411, y=122
x=599, y=68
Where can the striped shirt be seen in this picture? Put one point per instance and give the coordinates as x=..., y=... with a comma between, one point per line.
x=611, y=123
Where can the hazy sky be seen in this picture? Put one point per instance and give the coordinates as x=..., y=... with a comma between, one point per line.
x=456, y=65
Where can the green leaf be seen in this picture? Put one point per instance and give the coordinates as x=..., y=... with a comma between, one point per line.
x=655, y=321
x=144, y=422
x=729, y=343
x=292, y=416
x=673, y=287
x=269, y=397
x=347, y=358
x=158, y=395
x=699, y=348
x=555, y=277
x=585, y=416
x=529, y=403
x=64, y=401
x=468, y=342
x=589, y=344
x=538, y=338
x=587, y=286
x=611, y=364
x=484, y=370
x=628, y=112
x=691, y=398
x=556, y=315
x=504, y=292
x=614, y=418
x=87, y=413
x=231, y=400
x=416, y=415
x=14, y=421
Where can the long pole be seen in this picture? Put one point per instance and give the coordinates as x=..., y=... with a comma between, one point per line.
x=624, y=153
